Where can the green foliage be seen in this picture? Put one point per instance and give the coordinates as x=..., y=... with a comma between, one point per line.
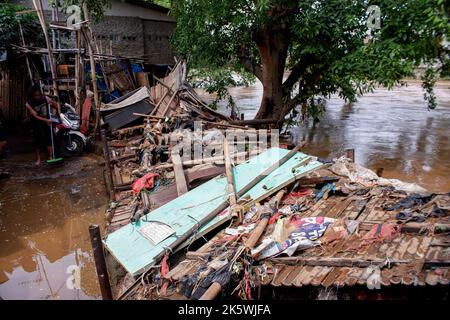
x=330, y=49
x=96, y=7
x=9, y=26
x=218, y=81
x=163, y=3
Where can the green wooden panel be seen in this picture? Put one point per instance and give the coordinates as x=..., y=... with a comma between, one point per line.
x=135, y=253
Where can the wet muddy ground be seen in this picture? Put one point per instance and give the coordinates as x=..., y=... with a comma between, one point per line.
x=44, y=217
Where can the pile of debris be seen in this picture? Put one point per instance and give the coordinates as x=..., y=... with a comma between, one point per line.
x=335, y=225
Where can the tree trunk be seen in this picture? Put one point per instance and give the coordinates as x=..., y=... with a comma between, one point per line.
x=273, y=47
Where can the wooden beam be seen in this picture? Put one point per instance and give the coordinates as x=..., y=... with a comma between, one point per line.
x=38, y=6
x=180, y=178
x=92, y=63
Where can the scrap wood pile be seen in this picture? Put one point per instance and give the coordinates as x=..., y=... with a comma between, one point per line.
x=144, y=172
x=338, y=226
x=170, y=99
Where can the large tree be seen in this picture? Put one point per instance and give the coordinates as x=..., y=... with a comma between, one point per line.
x=325, y=45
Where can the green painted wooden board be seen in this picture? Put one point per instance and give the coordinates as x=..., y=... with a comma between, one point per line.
x=136, y=253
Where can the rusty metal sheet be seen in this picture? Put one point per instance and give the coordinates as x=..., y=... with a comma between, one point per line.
x=354, y=209
x=340, y=279
x=303, y=274
x=331, y=277
x=291, y=277
x=282, y=273
x=320, y=276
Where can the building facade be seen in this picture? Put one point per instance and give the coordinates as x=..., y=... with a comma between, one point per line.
x=134, y=29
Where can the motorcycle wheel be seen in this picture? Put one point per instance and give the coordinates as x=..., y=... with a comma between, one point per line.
x=72, y=147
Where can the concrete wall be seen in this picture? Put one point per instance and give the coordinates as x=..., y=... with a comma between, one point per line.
x=134, y=30
x=126, y=35
x=134, y=37
x=156, y=42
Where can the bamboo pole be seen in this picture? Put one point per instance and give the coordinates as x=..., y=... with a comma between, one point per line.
x=106, y=154
x=77, y=72
x=100, y=263
x=213, y=291
x=38, y=6
x=92, y=63
x=26, y=54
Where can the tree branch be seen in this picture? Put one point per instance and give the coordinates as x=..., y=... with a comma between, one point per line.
x=249, y=64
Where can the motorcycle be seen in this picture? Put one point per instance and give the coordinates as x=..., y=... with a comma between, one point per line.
x=67, y=132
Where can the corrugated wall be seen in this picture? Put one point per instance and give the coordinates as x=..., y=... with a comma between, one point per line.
x=14, y=87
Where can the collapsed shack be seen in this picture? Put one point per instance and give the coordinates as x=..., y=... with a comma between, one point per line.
x=263, y=216
x=325, y=231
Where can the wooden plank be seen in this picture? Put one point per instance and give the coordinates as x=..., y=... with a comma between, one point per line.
x=179, y=174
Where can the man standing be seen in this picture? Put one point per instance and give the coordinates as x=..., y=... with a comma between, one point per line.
x=40, y=121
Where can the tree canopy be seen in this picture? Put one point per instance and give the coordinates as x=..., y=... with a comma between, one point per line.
x=325, y=45
x=9, y=24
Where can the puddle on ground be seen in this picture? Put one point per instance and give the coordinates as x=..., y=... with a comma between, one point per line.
x=392, y=129
x=44, y=218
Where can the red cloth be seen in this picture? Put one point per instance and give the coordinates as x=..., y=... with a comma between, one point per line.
x=384, y=231
x=274, y=218
x=291, y=198
x=84, y=128
x=145, y=182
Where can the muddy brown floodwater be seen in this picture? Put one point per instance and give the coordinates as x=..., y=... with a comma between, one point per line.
x=390, y=129
x=44, y=219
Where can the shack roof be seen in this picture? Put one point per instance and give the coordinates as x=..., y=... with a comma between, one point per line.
x=399, y=238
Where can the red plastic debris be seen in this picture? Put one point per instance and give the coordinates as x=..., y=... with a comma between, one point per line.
x=145, y=182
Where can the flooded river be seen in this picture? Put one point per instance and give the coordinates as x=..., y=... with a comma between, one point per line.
x=44, y=219
x=390, y=129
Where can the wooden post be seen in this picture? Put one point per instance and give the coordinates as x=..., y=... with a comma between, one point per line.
x=230, y=179
x=92, y=63
x=108, y=165
x=180, y=178
x=38, y=6
x=350, y=153
x=100, y=263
